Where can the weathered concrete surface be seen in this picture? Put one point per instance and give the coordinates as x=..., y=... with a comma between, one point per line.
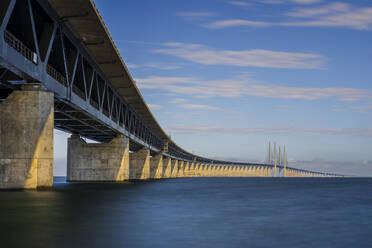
x=26, y=139
x=139, y=165
x=186, y=169
x=98, y=162
x=156, y=166
x=189, y=170
x=181, y=169
x=167, y=164
x=174, y=172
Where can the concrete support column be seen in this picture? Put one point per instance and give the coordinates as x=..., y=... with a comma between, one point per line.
x=218, y=170
x=229, y=171
x=191, y=172
x=139, y=165
x=193, y=169
x=197, y=168
x=207, y=170
x=174, y=168
x=156, y=166
x=26, y=139
x=224, y=171
x=250, y=171
x=181, y=169
x=98, y=162
x=186, y=171
x=167, y=165
x=211, y=171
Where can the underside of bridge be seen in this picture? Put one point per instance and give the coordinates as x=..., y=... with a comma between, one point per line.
x=59, y=68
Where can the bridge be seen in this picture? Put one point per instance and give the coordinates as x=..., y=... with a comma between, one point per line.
x=60, y=68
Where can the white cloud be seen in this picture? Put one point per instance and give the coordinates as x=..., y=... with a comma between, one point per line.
x=236, y=23
x=159, y=66
x=245, y=58
x=306, y=1
x=178, y=100
x=247, y=86
x=240, y=3
x=289, y=1
x=198, y=107
x=154, y=106
x=365, y=109
x=333, y=8
x=271, y=1
x=200, y=129
x=331, y=15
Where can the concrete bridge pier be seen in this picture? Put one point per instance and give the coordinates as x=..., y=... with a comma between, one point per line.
x=167, y=166
x=280, y=172
x=190, y=170
x=181, y=168
x=174, y=167
x=197, y=168
x=156, y=166
x=98, y=161
x=139, y=165
x=26, y=139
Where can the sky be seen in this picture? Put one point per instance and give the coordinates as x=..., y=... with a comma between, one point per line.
x=225, y=77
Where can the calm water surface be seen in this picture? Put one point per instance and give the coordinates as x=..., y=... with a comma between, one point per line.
x=215, y=212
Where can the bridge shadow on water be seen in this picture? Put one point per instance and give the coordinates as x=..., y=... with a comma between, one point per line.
x=198, y=212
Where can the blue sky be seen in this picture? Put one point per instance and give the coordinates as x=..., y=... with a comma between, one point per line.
x=226, y=77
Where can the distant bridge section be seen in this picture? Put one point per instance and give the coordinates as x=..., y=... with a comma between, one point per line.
x=59, y=67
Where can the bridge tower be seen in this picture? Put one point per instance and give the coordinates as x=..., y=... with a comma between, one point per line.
x=269, y=154
x=285, y=161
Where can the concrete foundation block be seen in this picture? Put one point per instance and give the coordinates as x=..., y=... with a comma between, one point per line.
x=156, y=167
x=26, y=139
x=140, y=164
x=167, y=164
x=174, y=168
x=181, y=169
x=95, y=162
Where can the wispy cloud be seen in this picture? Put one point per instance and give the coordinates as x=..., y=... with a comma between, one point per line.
x=289, y=1
x=178, y=100
x=237, y=23
x=240, y=3
x=245, y=58
x=334, y=15
x=198, y=107
x=365, y=109
x=330, y=15
x=200, y=129
x=247, y=86
x=160, y=66
x=333, y=8
x=154, y=106
x=306, y=1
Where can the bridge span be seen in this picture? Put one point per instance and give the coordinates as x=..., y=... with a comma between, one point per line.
x=59, y=68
